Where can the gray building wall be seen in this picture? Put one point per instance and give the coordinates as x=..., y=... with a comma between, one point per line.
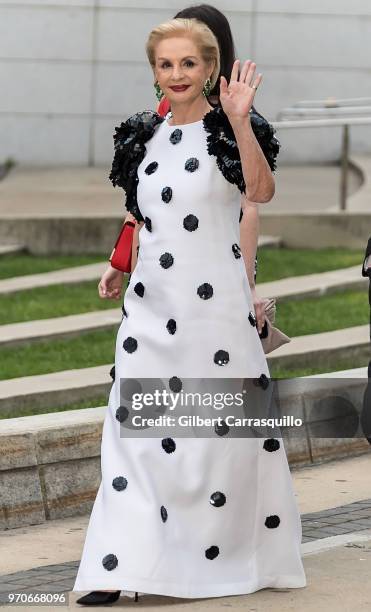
x=70, y=70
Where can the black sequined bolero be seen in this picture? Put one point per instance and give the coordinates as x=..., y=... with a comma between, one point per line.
x=132, y=134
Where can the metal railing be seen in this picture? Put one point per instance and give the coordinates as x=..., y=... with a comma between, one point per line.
x=333, y=110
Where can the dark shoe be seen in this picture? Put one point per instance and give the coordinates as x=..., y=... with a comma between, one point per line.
x=99, y=598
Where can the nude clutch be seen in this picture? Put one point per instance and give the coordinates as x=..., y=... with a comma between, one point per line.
x=271, y=337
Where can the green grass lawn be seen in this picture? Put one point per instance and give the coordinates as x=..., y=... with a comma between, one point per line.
x=65, y=299
x=277, y=371
x=299, y=317
x=312, y=315
x=274, y=264
x=54, y=301
x=94, y=402
x=102, y=400
x=88, y=350
x=325, y=313
x=21, y=264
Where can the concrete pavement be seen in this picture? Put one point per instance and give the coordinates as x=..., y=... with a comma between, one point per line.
x=83, y=191
x=335, y=507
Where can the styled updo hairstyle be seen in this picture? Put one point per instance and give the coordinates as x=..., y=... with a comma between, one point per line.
x=193, y=28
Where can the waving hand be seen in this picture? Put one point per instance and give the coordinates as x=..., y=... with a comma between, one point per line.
x=237, y=96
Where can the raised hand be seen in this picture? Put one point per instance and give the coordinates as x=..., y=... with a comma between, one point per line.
x=237, y=96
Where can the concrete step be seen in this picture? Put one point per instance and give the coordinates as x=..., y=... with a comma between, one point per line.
x=60, y=454
x=323, y=349
x=297, y=287
x=58, y=388
x=68, y=386
x=274, y=242
x=76, y=274
x=314, y=285
x=6, y=249
x=17, y=334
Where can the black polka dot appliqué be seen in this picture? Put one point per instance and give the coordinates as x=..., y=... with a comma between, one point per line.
x=166, y=260
x=151, y=168
x=163, y=513
x=176, y=136
x=221, y=357
x=175, y=384
x=171, y=326
x=272, y=521
x=166, y=194
x=139, y=289
x=124, y=311
x=122, y=414
x=109, y=562
x=130, y=344
x=190, y=223
x=168, y=445
x=112, y=372
x=119, y=483
x=191, y=164
x=205, y=291
x=262, y=381
x=252, y=318
x=217, y=499
x=271, y=445
x=236, y=250
x=212, y=552
x=221, y=429
x=148, y=224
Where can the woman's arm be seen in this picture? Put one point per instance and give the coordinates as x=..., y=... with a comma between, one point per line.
x=135, y=244
x=237, y=98
x=249, y=232
x=260, y=186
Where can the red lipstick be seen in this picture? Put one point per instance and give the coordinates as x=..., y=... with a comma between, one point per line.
x=179, y=87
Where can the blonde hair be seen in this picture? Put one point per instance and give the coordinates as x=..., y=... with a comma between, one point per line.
x=195, y=29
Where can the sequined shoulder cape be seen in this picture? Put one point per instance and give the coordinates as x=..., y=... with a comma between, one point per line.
x=130, y=138
x=221, y=142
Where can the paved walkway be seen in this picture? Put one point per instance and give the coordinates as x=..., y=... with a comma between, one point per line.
x=335, y=506
x=359, y=200
x=348, y=519
x=336, y=549
x=76, y=191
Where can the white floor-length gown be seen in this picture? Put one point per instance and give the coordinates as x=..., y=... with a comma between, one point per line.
x=182, y=516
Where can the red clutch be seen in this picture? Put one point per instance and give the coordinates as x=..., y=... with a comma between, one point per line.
x=121, y=254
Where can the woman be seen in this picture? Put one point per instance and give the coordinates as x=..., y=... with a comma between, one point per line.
x=111, y=283
x=190, y=516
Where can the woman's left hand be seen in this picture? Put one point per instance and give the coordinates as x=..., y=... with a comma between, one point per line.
x=237, y=97
x=258, y=303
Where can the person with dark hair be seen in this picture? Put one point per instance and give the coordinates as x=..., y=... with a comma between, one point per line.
x=111, y=283
x=191, y=515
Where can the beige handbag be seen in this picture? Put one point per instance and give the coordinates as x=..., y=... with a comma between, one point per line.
x=275, y=337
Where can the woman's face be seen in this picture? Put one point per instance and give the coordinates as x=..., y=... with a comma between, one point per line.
x=180, y=69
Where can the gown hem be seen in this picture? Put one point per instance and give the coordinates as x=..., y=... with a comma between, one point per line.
x=213, y=590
